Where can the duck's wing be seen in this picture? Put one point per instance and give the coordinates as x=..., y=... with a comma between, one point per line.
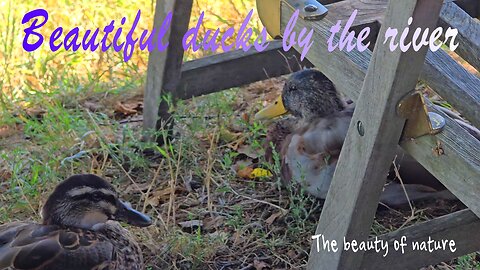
x=41, y=247
x=277, y=133
x=310, y=154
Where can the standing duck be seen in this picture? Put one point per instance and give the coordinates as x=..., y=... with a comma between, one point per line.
x=78, y=232
x=309, y=143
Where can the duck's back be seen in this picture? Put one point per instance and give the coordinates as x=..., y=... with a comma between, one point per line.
x=310, y=154
x=42, y=247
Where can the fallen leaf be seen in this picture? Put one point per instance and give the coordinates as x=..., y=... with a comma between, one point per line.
x=260, y=265
x=159, y=196
x=260, y=173
x=213, y=223
x=9, y=130
x=127, y=108
x=229, y=136
x=273, y=217
x=5, y=175
x=249, y=151
x=246, y=172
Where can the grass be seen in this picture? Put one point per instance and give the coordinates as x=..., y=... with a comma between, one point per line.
x=60, y=115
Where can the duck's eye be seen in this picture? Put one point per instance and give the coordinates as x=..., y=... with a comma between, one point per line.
x=96, y=197
x=293, y=87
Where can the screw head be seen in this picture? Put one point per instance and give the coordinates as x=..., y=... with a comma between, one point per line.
x=360, y=128
x=310, y=8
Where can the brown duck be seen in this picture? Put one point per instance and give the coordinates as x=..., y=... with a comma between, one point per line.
x=79, y=231
x=309, y=143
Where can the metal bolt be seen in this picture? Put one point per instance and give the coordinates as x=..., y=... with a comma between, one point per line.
x=360, y=128
x=310, y=8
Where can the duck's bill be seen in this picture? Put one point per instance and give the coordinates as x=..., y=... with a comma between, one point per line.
x=131, y=216
x=271, y=111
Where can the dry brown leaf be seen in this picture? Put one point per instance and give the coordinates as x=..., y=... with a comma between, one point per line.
x=245, y=172
x=229, y=136
x=213, y=223
x=162, y=195
x=273, y=217
x=9, y=130
x=292, y=254
x=260, y=265
x=249, y=151
x=127, y=108
x=5, y=175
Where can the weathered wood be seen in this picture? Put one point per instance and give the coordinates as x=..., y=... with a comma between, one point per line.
x=454, y=83
x=453, y=157
x=347, y=70
x=462, y=227
x=371, y=141
x=368, y=10
x=163, y=74
x=236, y=68
x=468, y=32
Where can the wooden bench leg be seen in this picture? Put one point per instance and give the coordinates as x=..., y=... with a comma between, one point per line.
x=164, y=67
x=373, y=136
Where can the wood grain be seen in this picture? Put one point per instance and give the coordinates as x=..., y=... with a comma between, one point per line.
x=164, y=67
x=462, y=227
x=236, y=68
x=364, y=162
x=347, y=70
x=468, y=32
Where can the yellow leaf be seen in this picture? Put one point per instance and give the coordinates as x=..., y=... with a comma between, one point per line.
x=260, y=173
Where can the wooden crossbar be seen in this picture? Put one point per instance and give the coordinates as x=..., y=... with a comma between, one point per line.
x=462, y=227
x=226, y=70
x=468, y=32
x=348, y=70
x=371, y=141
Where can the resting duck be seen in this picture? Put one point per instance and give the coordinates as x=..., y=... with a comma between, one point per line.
x=309, y=143
x=79, y=231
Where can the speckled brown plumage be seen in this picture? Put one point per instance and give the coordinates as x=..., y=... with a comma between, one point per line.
x=54, y=245
x=309, y=143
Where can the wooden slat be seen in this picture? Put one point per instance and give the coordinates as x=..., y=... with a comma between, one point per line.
x=468, y=32
x=453, y=157
x=163, y=73
x=365, y=159
x=347, y=70
x=462, y=227
x=454, y=83
x=236, y=68
x=368, y=10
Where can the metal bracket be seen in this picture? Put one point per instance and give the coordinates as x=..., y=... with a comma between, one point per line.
x=420, y=122
x=269, y=12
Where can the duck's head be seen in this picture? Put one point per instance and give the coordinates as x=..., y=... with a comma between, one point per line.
x=307, y=94
x=86, y=201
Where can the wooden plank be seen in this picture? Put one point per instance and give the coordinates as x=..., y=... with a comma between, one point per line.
x=468, y=32
x=454, y=83
x=371, y=141
x=163, y=73
x=236, y=68
x=455, y=150
x=347, y=70
x=368, y=10
x=462, y=227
